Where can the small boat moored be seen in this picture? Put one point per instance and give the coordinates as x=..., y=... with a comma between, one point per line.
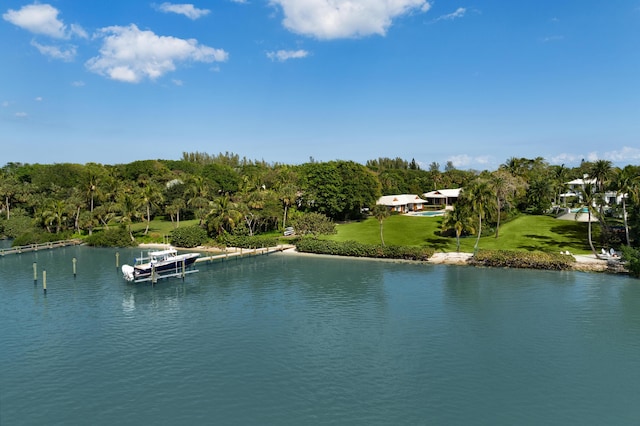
x=159, y=264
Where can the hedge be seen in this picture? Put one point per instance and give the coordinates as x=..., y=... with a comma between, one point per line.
x=523, y=259
x=356, y=249
x=188, y=236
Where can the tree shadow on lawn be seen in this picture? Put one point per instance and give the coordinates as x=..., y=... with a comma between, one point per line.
x=544, y=243
x=438, y=242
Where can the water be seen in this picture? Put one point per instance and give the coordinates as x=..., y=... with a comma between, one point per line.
x=295, y=340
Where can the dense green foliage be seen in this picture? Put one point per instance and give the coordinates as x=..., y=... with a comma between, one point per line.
x=188, y=236
x=228, y=195
x=313, y=223
x=522, y=259
x=632, y=258
x=113, y=237
x=356, y=249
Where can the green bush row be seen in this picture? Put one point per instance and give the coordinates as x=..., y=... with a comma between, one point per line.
x=523, y=259
x=113, y=237
x=250, y=242
x=36, y=236
x=356, y=249
x=632, y=258
x=189, y=236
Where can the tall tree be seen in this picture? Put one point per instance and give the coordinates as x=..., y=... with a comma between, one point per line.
x=505, y=186
x=588, y=197
x=480, y=198
x=151, y=196
x=627, y=185
x=129, y=208
x=224, y=215
x=460, y=220
x=198, y=193
x=380, y=212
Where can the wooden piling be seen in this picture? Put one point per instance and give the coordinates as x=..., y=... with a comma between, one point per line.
x=74, y=261
x=35, y=272
x=44, y=281
x=117, y=260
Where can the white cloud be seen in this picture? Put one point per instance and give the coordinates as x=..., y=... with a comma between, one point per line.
x=240, y=1
x=566, y=158
x=624, y=154
x=283, y=55
x=77, y=83
x=465, y=160
x=177, y=82
x=187, y=10
x=21, y=115
x=459, y=13
x=332, y=19
x=42, y=19
x=66, y=54
x=130, y=55
x=5, y=104
x=39, y=99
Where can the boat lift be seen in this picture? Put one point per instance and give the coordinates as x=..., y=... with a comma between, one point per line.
x=179, y=272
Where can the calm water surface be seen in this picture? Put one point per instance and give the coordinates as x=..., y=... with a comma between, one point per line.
x=295, y=340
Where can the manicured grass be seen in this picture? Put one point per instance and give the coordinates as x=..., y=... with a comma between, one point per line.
x=523, y=233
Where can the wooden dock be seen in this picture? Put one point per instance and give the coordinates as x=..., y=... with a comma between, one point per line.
x=239, y=253
x=37, y=247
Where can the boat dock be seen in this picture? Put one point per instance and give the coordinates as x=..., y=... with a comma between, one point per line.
x=239, y=253
x=37, y=247
x=228, y=254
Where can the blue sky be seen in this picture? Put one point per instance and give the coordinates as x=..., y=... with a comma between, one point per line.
x=472, y=82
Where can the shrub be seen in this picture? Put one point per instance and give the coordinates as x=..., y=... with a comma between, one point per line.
x=523, y=259
x=632, y=257
x=356, y=249
x=17, y=225
x=189, y=236
x=37, y=236
x=118, y=237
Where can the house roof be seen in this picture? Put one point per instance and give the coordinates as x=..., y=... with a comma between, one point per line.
x=443, y=193
x=400, y=200
x=581, y=181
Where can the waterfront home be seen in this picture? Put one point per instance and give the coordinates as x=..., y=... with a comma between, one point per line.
x=402, y=203
x=446, y=197
x=576, y=185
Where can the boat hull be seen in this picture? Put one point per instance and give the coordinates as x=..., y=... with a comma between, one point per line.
x=173, y=265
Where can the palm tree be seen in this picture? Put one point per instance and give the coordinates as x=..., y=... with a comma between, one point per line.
x=380, y=212
x=626, y=184
x=151, y=197
x=480, y=197
x=460, y=220
x=224, y=215
x=198, y=194
x=129, y=209
x=505, y=185
x=588, y=196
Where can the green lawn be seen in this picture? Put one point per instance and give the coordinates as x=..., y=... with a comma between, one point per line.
x=523, y=233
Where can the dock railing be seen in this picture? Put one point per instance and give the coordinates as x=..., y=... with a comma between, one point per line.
x=36, y=247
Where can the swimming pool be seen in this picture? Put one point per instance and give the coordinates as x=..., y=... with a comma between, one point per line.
x=429, y=214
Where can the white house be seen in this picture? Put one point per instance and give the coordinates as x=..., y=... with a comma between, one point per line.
x=402, y=203
x=442, y=196
x=575, y=185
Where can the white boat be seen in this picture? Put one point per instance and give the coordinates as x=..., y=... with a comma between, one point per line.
x=159, y=264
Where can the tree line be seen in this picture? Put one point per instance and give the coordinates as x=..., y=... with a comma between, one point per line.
x=227, y=194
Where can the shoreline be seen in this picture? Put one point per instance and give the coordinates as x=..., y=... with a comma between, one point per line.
x=584, y=262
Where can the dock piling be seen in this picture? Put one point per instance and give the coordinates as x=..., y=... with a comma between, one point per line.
x=74, y=261
x=44, y=281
